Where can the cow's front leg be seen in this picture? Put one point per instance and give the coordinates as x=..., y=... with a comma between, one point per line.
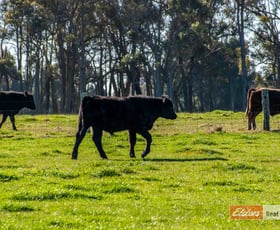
x=12, y=119
x=254, y=123
x=97, y=138
x=132, y=142
x=4, y=118
x=79, y=137
x=148, y=138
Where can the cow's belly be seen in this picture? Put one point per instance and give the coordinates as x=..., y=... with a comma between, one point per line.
x=111, y=126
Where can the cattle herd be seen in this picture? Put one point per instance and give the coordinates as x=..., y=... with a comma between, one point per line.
x=136, y=114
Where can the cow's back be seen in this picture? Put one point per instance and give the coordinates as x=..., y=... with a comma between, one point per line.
x=144, y=106
x=115, y=114
x=12, y=102
x=8, y=101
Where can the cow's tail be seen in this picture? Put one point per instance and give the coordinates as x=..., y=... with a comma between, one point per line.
x=248, y=107
x=84, y=104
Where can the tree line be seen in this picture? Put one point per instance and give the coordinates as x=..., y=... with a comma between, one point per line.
x=203, y=54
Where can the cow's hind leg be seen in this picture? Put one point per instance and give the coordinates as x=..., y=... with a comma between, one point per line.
x=79, y=137
x=249, y=124
x=4, y=118
x=12, y=119
x=132, y=142
x=148, y=138
x=252, y=121
x=97, y=137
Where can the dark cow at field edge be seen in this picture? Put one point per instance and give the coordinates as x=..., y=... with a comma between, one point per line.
x=135, y=114
x=12, y=102
x=254, y=104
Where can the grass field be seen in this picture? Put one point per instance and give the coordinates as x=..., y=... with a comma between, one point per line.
x=199, y=165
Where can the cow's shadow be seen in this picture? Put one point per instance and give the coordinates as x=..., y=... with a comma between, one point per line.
x=275, y=131
x=185, y=159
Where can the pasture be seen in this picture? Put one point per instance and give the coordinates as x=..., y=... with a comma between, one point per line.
x=199, y=165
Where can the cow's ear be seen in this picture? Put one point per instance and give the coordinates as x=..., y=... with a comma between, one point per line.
x=164, y=99
x=25, y=93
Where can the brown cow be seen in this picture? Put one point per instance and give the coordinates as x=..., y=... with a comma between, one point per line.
x=135, y=114
x=254, y=104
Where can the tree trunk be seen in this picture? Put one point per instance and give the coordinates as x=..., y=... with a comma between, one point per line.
x=36, y=84
x=53, y=95
x=62, y=68
x=69, y=100
x=170, y=73
x=277, y=56
x=19, y=55
x=240, y=21
x=82, y=58
x=158, y=82
x=47, y=92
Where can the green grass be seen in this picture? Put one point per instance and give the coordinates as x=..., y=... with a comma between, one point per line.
x=199, y=165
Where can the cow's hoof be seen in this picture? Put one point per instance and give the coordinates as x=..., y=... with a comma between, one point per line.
x=132, y=154
x=144, y=154
x=74, y=157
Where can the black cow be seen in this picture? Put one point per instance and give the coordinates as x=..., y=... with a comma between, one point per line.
x=254, y=104
x=135, y=114
x=12, y=102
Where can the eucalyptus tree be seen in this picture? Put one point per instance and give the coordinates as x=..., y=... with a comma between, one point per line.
x=8, y=71
x=27, y=22
x=123, y=47
x=14, y=16
x=123, y=35
x=241, y=32
x=193, y=41
x=71, y=27
x=266, y=41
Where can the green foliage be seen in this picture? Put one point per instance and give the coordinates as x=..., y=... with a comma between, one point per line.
x=188, y=181
x=146, y=47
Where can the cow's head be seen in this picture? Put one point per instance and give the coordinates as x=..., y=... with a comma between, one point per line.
x=167, y=109
x=29, y=101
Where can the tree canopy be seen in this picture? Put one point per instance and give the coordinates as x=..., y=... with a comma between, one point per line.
x=203, y=54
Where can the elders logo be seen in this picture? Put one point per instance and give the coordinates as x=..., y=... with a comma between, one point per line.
x=255, y=212
x=246, y=212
